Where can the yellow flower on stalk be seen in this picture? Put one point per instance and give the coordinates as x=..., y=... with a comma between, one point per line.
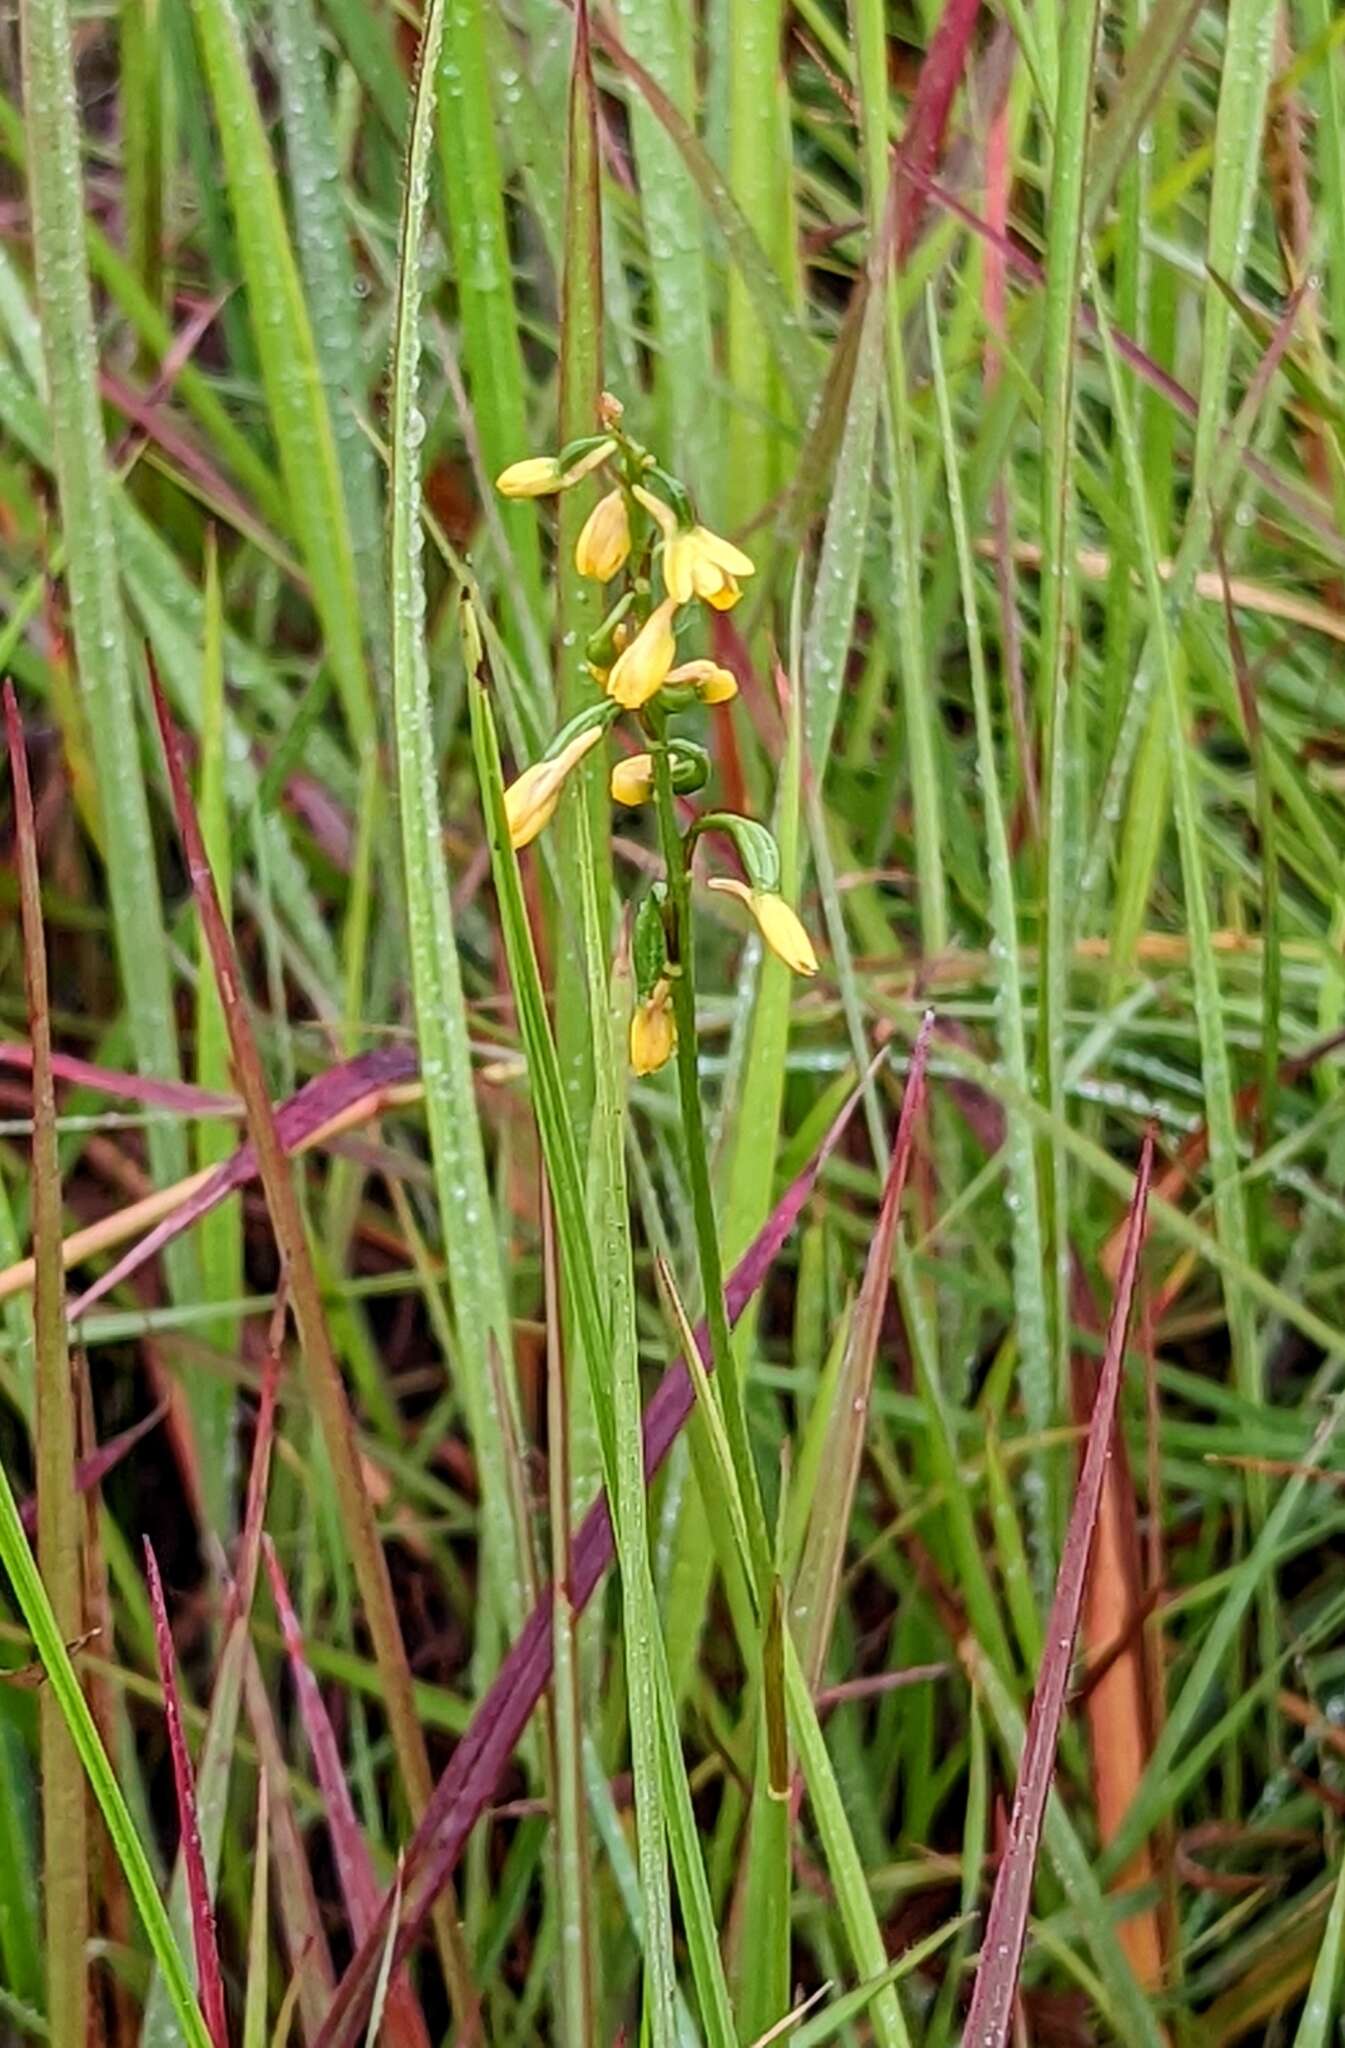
x=653, y=1030
x=714, y=685
x=632, y=782
x=779, y=925
x=540, y=476
x=530, y=801
x=604, y=539
x=641, y=669
x=696, y=561
x=537, y=476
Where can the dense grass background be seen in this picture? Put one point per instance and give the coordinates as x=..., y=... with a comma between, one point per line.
x=1007, y=340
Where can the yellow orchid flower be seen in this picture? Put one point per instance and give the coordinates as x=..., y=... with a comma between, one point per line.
x=541, y=476
x=604, y=539
x=779, y=925
x=530, y=801
x=696, y=561
x=699, y=563
x=714, y=685
x=653, y=1030
x=632, y=781
x=537, y=476
x=641, y=669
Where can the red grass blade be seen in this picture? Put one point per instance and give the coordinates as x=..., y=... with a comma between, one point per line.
x=91, y=1471
x=990, y=2018
x=327, y=1095
x=259, y=1471
x=210, y=1979
x=922, y=137
x=155, y=1094
x=403, y=2021
x=468, y=1786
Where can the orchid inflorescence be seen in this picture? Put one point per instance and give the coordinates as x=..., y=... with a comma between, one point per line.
x=644, y=531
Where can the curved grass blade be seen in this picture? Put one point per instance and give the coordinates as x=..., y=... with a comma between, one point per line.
x=345, y=1093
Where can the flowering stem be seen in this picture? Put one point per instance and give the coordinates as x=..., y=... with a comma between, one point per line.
x=727, y=1377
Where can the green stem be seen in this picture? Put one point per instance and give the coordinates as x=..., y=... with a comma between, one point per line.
x=727, y=1377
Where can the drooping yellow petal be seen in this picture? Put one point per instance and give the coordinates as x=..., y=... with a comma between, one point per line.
x=725, y=594
x=653, y=1031
x=632, y=782
x=784, y=933
x=604, y=539
x=724, y=554
x=530, y=801
x=537, y=476
x=642, y=668
x=778, y=924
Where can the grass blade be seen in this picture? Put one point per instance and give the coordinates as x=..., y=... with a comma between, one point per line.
x=324, y=1379
x=65, y=1830
x=208, y=1975
x=65, y=312
x=291, y=369
x=403, y=2019
x=480, y=1304
x=991, y=2014
x=488, y=1743
x=254, y=2005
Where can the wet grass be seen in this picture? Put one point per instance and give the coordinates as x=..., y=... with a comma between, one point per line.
x=1007, y=343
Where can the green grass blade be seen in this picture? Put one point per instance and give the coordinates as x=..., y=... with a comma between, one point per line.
x=220, y=1234
x=476, y=1283
x=1065, y=215
x=291, y=368
x=322, y=240
x=473, y=192
x=1314, y=2028
x=65, y=311
x=658, y=34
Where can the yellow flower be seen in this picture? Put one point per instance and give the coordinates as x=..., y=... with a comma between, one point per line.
x=530, y=802
x=604, y=539
x=536, y=477
x=714, y=685
x=698, y=563
x=653, y=1030
x=642, y=668
x=540, y=476
x=632, y=781
x=779, y=926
